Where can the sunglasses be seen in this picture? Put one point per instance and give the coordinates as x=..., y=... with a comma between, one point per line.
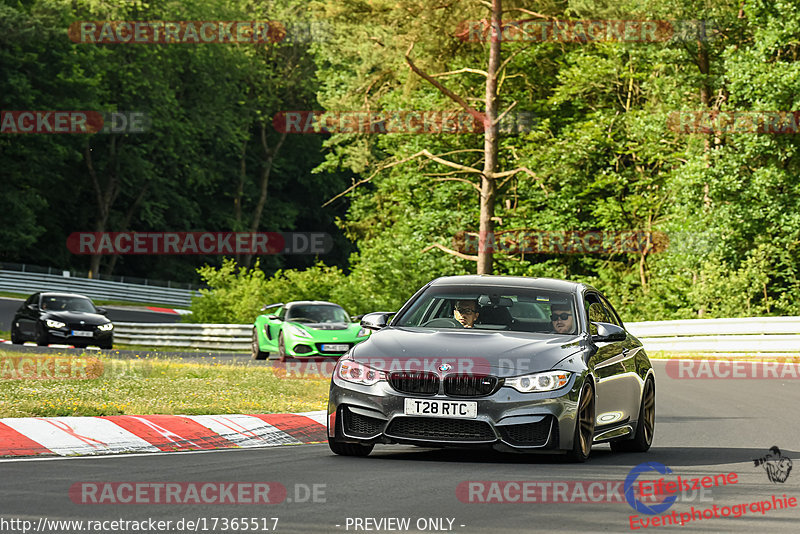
x=466, y=310
x=560, y=316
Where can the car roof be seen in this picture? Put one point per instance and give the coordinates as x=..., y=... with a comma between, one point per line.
x=510, y=281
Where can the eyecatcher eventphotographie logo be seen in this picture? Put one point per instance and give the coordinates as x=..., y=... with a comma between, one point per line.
x=524, y=241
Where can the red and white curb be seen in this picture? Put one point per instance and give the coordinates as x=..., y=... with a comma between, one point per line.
x=81, y=436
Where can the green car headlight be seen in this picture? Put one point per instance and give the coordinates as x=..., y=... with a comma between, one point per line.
x=538, y=382
x=297, y=331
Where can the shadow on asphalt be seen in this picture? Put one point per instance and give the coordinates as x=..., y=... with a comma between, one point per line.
x=601, y=455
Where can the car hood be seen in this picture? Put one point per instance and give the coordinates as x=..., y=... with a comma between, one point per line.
x=324, y=326
x=76, y=317
x=500, y=353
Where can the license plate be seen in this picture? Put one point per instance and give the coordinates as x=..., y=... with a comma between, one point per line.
x=441, y=408
x=335, y=347
x=82, y=333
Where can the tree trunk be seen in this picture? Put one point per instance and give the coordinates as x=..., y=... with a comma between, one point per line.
x=490, y=142
x=104, y=196
x=269, y=159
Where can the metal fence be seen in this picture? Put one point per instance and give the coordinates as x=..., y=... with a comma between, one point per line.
x=197, y=336
x=775, y=335
x=28, y=282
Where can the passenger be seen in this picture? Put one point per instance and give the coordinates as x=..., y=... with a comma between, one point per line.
x=466, y=312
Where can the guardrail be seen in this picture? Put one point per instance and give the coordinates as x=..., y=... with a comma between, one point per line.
x=28, y=283
x=734, y=336
x=199, y=336
x=776, y=335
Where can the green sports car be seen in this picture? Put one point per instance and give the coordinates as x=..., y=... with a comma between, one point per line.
x=305, y=329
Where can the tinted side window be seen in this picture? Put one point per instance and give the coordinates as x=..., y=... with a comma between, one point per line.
x=611, y=312
x=596, y=312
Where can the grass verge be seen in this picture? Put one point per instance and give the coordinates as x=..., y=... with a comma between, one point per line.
x=61, y=385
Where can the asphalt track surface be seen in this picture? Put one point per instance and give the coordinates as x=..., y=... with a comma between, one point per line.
x=9, y=306
x=704, y=428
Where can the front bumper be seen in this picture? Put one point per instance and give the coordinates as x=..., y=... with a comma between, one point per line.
x=299, y=347
x=64, y=336
x=506, y=420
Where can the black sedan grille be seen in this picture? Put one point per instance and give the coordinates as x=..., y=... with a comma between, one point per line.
x=417, y=382
x=529, y=434
x=440, y=429
x=360, y=425
x=469, y=385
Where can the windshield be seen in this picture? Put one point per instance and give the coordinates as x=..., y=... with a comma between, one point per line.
x=76, y=304
x=317, y=313
x=493, y=308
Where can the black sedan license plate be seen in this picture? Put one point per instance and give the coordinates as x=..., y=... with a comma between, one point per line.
x=441, y=408
x=82, y=333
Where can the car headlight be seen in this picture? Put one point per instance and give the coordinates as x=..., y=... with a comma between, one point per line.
x=363, y=332
x=358, y=373
x=54, y=324
x=548, y=381
x=297, y=331
x=106, y=327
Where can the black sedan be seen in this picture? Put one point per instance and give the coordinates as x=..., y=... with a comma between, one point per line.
x=513, y=363
x=62, y=318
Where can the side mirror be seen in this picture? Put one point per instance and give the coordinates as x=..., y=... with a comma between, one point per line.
x=33, y=307
x=102, y=311
x=609, y=332
x=273, y=318
x=376, y=320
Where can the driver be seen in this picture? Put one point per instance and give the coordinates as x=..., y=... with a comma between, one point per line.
x=561, y=316
x=466, y=312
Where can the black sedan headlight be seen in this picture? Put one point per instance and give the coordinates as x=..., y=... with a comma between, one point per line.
x=105, y=327
x=51, y=323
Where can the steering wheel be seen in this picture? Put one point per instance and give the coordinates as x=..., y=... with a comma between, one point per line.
x=444, y=322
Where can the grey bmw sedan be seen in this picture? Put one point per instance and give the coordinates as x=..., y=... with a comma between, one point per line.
x=513, y=363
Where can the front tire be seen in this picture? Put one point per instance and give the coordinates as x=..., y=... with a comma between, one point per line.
x=281, y=348
x=645, y=429
x=255, y=349
x=584, y=426
x=41, y=336
x=16, y=338
x=347, y=449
